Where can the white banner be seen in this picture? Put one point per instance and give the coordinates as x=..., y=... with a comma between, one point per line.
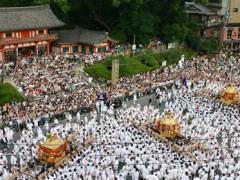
x=134, y=47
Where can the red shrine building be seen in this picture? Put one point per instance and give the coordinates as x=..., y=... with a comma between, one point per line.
x=24, y=31
x=82, y=40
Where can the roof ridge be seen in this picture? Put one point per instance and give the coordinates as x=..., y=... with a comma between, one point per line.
x=25, y=7
x=91, y=30
x=66, y=30
x=80, y=29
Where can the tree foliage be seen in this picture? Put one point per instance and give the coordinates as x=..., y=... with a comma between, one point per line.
x=210, y=45
x=194, y=41
x=146, y=19
x=62, y=4
x=202, y=1
x=198, y=1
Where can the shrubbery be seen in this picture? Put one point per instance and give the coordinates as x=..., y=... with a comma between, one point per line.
x=8, y=94
x=132, y=65
x=206, y=45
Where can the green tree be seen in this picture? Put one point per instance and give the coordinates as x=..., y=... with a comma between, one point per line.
x=202, y=1
x=136, y=18
x=122, y=19
x=198, y=1
x=172, y=20
x=146, y=19
x=15, y=3
x=193, y=41
x=62, y=4
x=150, y=18
x=210, y=45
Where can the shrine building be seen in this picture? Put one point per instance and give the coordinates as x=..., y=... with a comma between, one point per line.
x=82, y=40
x=24, y=31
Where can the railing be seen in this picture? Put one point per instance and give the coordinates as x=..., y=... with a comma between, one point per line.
x=209, y=23
x=29, y=39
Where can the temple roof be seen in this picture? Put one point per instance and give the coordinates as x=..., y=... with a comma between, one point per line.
x=31, y=17
x=81, y=35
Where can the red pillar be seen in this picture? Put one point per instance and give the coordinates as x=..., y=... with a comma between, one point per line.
x=48, y=50
x=109, y=44
x=87, y=49
x=29, y=51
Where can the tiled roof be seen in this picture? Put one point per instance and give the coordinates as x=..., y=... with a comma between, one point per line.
x=199, y=9
x=31, y=17
x=81, y=35
x=67, y=36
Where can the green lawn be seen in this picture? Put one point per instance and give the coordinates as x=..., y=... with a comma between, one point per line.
x=9, y=93
x=132, y=65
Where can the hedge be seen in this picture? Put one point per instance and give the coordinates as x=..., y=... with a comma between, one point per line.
x=132, y=65
x=9, y=93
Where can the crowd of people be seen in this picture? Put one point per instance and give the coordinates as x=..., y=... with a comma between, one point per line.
x=120, y=150
x=94, y=58
x=55, y=80
x=42, y=76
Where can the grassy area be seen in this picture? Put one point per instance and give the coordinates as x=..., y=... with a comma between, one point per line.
x=8, y=93
x=137, y=64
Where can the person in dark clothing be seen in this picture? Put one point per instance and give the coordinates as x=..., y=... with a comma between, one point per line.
x=108, y=103
x=150, y=101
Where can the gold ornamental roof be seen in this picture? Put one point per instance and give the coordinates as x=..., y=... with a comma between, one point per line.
x=52, y=143
x=169, y=120
x=230, y=89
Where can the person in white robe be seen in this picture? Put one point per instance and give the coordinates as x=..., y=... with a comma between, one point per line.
x=134, y=98
x=46, y=125
x=78, y=117
x=56, y=121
